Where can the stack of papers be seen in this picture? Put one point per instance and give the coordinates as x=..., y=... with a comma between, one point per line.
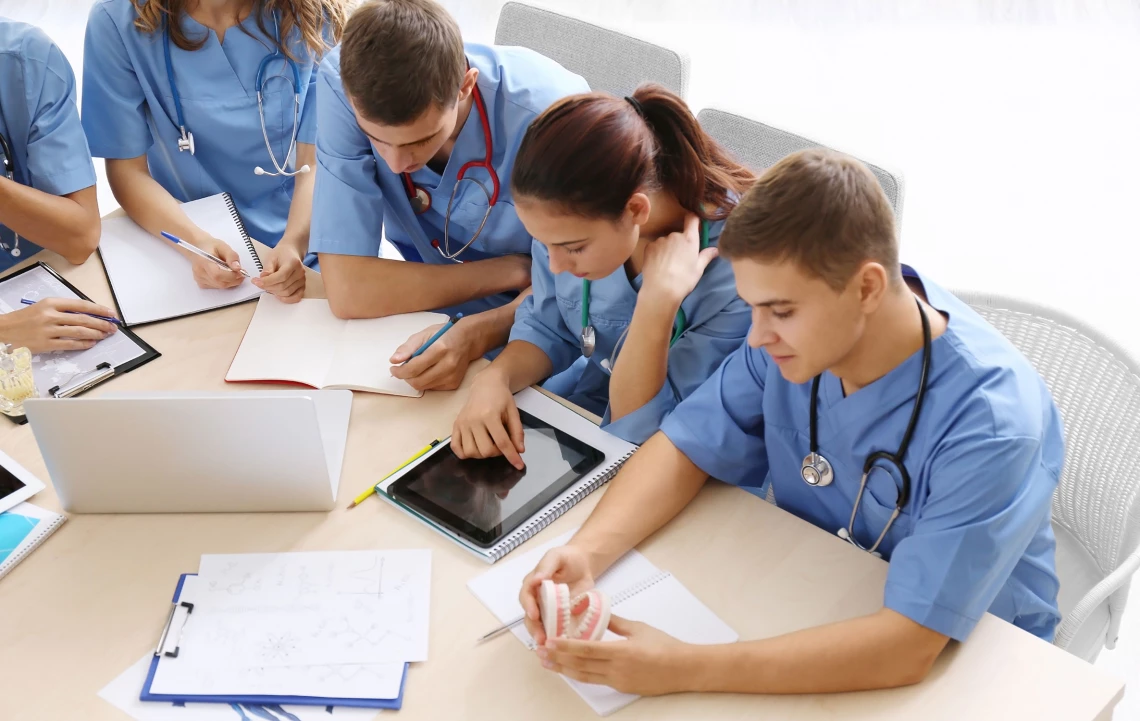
x=319, y=629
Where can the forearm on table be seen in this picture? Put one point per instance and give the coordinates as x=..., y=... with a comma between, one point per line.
x=366, y=287
x=148, y=203
x=651, y=488
x=296, y=235
x=520, y=365
x=642, y=363
x=882, y=650
x=493, y=327
x=67, y=224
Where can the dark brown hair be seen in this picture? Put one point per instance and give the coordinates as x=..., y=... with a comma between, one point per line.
x=821, y=209
x=399, y=57
x=590, y=153
x=311, y=16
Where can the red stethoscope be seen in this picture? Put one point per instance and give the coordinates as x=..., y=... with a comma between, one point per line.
x=421, y=199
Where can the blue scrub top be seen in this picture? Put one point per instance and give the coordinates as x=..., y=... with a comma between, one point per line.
x=986, y=455
x=357, y=196
x=128, y=109
x=40, y=121
x=551, y=318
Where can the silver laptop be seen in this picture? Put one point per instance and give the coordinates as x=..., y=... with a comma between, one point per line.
x=184, y=452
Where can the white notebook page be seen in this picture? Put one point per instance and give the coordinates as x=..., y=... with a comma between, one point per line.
x=305, y=343
x=152, y=279
x=664, y=603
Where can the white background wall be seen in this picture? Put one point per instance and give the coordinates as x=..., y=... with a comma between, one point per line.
x=1016, y=124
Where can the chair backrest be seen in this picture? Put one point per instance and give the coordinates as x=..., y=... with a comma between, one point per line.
x=1096, y=385
x=760, y=146
x=608, y=60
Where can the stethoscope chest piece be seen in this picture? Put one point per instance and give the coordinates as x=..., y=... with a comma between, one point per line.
x=588, y=340
x=420, y=201
x=816, y=470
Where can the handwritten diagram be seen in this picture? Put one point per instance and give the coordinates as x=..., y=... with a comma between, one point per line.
x=265, y=618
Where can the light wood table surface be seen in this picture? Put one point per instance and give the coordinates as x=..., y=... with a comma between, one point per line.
x=91, y=601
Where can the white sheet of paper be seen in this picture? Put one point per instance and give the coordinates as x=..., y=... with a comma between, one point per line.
x=665, y=604
x=315, y=608
x=123, y=694
x=153, y=280
x=62, y=368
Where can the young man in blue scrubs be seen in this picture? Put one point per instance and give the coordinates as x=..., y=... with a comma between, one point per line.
x=404, y=108
x=47, y=187
x=840, y=326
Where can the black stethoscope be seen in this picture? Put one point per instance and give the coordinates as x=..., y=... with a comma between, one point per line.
x=817, y=471
x=10, y=174
x=420, y=199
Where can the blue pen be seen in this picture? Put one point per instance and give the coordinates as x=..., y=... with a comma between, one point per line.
x=201, y=253
x=450, y=322
x=116, y=321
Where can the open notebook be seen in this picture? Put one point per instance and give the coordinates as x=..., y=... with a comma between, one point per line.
x=305, y=343
x=22, y=530
x=615, y=451
x=151, y=279
x=638, y=591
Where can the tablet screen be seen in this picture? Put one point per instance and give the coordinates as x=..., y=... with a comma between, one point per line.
x=485, y=499
x=9, y=484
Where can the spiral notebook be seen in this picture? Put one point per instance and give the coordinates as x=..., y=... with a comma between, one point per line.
x=638, y=591
x=615, y=452
x=151, y=280
x=22, y=530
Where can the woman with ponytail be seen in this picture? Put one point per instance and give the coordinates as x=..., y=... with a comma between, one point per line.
x=191, y=98
x=625, y=199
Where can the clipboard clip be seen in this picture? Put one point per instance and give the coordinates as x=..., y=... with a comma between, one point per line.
x=159, y=650
x=100, y=373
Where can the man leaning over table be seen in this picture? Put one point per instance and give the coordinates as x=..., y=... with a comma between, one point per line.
x=841, y=325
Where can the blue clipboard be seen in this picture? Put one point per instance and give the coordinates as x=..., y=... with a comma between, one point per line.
x=381, y=703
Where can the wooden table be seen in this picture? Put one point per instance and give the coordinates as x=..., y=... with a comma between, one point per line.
x=90, y=601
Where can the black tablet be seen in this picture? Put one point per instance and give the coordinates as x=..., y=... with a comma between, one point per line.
x=483, y=500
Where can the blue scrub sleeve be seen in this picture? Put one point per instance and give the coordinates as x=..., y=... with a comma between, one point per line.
x=985, y=505
x=59, y=161
x=720, y=427
x=114, y=106
x=348, y=204
x=692, y=360
x=538, y=319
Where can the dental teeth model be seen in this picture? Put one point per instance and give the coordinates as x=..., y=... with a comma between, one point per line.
x=584, y=617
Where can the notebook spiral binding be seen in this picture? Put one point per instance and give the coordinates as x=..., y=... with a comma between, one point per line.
x=536, y=524
x=241, y=228
x=49, y=528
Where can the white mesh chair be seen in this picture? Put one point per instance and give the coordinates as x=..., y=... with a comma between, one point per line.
x=608, y=60
x=1096, y=509
x=760, y=146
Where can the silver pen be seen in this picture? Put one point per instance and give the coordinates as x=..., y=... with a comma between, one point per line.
x=201, y=253
x=500, y=630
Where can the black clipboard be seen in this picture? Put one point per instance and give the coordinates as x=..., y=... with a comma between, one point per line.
x=86, y=380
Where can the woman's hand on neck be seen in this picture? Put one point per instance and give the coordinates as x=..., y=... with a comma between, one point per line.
x=665, y=216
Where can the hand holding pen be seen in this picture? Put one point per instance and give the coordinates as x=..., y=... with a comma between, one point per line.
x=52, y=324
x=215, y=263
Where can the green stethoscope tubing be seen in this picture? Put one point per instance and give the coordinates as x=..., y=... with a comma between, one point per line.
x=680, y=323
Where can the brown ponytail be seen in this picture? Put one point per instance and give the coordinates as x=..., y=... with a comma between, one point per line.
x=590, y=153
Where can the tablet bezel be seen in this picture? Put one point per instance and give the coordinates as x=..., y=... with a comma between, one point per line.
x=32, y=485
x=448, y=521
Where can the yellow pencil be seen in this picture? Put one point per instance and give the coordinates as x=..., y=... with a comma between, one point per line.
x=364, y=496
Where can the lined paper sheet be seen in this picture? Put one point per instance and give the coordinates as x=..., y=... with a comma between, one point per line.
x=152, y=279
